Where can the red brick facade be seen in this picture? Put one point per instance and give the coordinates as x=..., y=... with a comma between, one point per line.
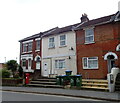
x=106, y=37
x=34, y=53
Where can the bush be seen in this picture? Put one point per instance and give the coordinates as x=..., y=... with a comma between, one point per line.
x=16, y=75
x=4, y=73
x=12, y=65
x=20, y=70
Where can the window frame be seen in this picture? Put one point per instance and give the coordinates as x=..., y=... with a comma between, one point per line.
x=58, y=64
x=65, y=40
x=24, y=48
x=31, y=46
x=87, y=62
x=53, y=42
x=91, y=29
x=24, y=60
x=37, y=47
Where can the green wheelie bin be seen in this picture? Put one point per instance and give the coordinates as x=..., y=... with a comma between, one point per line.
x=78, y=79
x=68, y=72
x=58, y=80
x=72, y=80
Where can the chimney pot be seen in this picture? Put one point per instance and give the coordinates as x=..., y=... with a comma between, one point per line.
x=84, y=18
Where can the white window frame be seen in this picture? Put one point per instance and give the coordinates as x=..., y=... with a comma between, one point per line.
x=88, y=59
x=31, y=45
x=37, y=46
x=58, y=64
x=64, y=40
x=23, y=60
x=51, y=44
x=25, y=48
x=87, y=30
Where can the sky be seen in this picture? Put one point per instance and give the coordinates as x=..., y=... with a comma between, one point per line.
x=23, y=18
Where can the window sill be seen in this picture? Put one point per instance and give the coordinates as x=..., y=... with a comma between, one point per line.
x=29, y=52
x=37, y=50
x=26, y=52
x=60, y=68
x=89, y=43
x=90, y=68
x=63, y=46
x=52, y=48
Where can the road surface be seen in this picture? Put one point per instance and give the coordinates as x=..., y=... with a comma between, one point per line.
x=20, y=96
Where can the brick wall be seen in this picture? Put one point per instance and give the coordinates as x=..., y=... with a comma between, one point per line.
x=106, y=39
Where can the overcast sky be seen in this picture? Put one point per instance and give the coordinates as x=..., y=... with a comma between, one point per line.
x=23, y=18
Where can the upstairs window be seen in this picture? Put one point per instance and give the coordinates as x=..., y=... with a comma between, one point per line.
x=51, y=42
x=89, y=35
x=38, y=45
x=24, y=47
x=60, y=64
x=90, y=62
x=29, y=46
x=62, y=40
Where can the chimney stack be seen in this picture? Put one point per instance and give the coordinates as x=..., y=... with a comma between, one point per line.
x=84, y=18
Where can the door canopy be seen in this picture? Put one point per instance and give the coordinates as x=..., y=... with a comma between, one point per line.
x=37, y=58
x=110, y=54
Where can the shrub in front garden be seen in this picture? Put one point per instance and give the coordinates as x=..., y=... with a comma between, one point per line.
x=4, y=73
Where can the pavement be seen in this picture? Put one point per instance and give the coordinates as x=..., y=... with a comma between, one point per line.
x=100, y=95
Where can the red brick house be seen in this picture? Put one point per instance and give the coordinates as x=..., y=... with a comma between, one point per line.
x=98, y=45
x=30, y=54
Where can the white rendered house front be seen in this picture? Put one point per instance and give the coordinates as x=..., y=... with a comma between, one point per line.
x=59, y=54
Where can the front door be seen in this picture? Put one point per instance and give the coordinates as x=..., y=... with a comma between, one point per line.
x=111, y=63
x=38, y=63
x=45, y=69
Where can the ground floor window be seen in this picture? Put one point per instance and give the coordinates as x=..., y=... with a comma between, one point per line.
x=90, y=62
x=24, y=63
x=60, y=64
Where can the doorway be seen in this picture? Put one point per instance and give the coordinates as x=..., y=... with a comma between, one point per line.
x=110, y=57
x=45, y=70
x=38, y=63
x=111, y=63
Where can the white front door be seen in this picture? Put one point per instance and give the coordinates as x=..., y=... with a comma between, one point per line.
x=45, y=69
x=37, y=65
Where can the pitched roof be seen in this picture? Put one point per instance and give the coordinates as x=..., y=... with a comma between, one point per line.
x=57, y=30
x=31, y=37
x=61, y=30
x=98, y=21
x=37, y=35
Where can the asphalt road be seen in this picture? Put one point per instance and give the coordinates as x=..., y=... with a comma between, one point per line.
x=19, y=96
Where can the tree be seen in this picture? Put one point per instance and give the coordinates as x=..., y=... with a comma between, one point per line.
x=12, y=65
x=20, y=70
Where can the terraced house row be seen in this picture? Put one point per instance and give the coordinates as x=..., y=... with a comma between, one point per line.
x=90, y=48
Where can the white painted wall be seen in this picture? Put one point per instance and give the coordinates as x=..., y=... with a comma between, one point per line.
x=50, y=55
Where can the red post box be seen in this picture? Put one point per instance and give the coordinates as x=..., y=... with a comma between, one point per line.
x=27, y=77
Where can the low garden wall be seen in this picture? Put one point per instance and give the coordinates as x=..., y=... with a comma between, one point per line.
x=11, y=81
